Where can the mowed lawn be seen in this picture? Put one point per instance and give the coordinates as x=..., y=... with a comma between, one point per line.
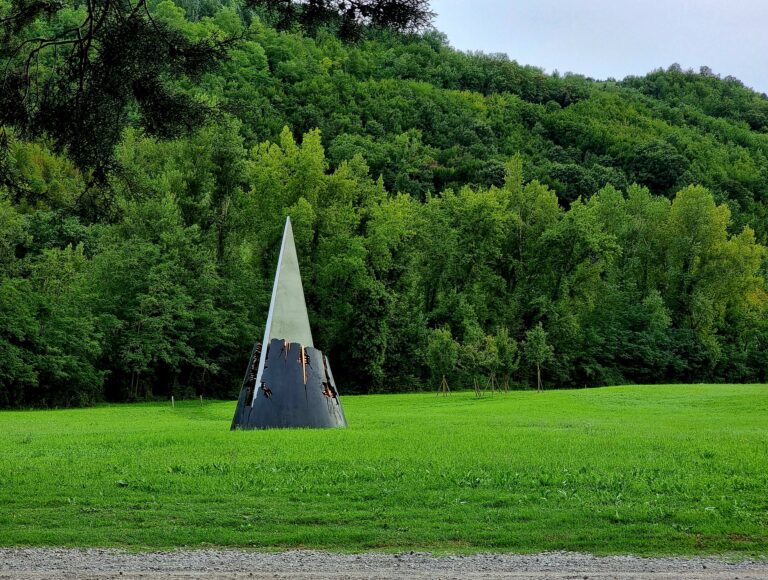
x=679, y=469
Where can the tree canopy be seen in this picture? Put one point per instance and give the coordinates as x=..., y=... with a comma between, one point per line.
x=348, y=17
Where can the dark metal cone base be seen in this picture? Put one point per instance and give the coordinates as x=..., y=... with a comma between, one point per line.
x=294, y=392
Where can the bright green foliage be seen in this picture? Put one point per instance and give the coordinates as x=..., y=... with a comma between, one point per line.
x=428, y=189
x=508, y=355
x=644, y=470
x=537, y=350
x=442, y=354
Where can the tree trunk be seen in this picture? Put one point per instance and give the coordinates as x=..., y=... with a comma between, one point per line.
x=538, y=377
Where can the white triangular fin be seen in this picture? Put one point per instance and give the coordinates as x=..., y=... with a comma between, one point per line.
x=288, y=319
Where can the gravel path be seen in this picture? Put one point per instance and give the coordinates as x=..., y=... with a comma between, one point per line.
x=46, y=563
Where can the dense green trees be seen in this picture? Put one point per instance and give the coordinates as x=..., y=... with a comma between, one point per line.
x=49, y=339
x=446, y=207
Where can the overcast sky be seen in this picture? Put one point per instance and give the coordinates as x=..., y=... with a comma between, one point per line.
x=616, y=38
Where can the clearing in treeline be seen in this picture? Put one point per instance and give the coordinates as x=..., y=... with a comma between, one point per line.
x=649, y=470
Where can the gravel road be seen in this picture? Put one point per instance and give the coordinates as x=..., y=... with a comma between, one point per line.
x=46, y=563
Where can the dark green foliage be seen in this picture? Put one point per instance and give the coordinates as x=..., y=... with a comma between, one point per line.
x=81, y=72
x=348, y=17
x=49, y=337
x=429, y=189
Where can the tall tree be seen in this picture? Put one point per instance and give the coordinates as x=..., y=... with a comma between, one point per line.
x=537, y=350
x=442, y=353
x=80, y=72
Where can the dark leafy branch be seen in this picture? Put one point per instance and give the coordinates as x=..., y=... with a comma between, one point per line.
x=83, y=84
x=350, y=16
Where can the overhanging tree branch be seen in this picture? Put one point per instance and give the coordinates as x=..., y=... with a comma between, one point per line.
x=86, y=78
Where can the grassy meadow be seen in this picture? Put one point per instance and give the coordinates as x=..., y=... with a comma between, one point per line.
x=678, y=469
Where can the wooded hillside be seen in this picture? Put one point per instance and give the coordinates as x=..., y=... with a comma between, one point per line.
x=435, y=196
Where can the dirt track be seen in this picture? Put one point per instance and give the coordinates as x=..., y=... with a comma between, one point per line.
x=38, y=564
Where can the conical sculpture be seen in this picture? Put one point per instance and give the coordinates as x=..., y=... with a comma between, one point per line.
x=288, y=382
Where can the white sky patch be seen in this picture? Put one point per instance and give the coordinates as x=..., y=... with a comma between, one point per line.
x=616, y=38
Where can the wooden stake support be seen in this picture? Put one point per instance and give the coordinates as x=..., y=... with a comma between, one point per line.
x=443, y=388
x=491, y=383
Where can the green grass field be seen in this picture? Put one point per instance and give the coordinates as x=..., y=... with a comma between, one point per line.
x=645, y=470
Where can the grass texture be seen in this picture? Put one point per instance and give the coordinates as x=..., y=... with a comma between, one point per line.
x=678, y=469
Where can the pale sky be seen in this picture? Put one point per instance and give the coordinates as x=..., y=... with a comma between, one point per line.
x=616, y=38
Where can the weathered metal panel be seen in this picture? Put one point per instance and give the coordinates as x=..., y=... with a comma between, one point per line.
x=292, y=393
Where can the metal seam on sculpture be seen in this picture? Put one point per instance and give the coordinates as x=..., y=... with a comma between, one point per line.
x=268, y=325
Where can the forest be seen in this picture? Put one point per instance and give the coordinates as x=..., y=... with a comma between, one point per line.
x=455, y=213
